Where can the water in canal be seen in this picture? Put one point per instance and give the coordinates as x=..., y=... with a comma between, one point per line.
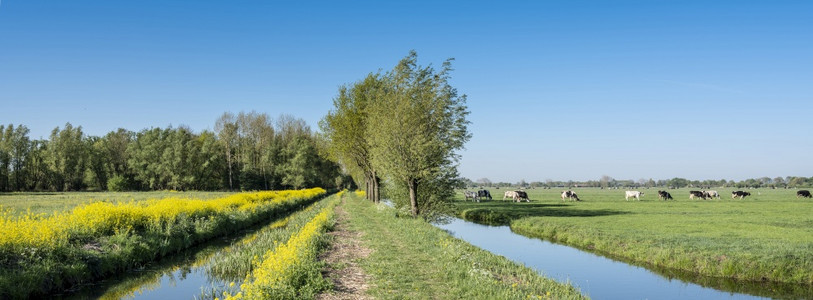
x=181, y=276
x=603, y=278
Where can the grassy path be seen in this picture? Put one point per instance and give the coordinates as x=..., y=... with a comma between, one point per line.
x=342, y=258
x=412, y=259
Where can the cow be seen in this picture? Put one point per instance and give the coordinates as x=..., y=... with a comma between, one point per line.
x=697, y=194
x=509, y=195
x=664, y=195
x=633, y=194
x=740, y=194
x=570, y=195
x=484, y=194
x=712, y=194
x=803, y=194
x=520, y=195
x=470, y=195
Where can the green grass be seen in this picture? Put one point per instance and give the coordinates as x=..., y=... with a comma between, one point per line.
x=765, y=237
x=412, y=259
x=49, y=203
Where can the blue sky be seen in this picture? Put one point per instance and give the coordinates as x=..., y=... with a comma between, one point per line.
x=557, y=89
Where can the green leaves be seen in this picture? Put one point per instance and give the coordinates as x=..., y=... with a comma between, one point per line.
x=407, y=123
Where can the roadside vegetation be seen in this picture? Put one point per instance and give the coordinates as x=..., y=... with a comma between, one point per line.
x=44, y=254
x=765, y=237
x=411, y=259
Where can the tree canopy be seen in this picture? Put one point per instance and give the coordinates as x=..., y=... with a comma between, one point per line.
x=405, y=125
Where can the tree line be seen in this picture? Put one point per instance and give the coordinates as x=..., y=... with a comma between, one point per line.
x=609, y=182
x=246, y=151
x=400, y=130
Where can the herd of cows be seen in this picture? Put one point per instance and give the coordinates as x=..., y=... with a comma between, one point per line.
x=520, y=195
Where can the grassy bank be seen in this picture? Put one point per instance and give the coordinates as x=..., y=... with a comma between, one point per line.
x=765, y=237
x=289, y=268
x=412, y=259
x=45, y=254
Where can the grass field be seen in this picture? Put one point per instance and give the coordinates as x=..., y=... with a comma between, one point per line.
x=765, y=237
x=48, y=203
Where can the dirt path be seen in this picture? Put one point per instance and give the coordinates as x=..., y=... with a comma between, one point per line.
x=349, y=280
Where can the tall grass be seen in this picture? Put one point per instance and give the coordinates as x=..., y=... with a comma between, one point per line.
x=41, y=254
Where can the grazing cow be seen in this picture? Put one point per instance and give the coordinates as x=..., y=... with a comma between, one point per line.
x=740, y=194
x=570, y=195
x=712, y=194
x=803, y=194
x=484, y=194
x=520, y=195
x=664, y=195
x=697, y=194
x=510, y=195
x=470, y=195
x=633, y=194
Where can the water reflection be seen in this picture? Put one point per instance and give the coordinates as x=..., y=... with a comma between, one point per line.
x=180, y=276
x=604, y=278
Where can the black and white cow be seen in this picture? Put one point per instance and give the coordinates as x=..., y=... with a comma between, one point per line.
x=697, y=194
x=664, y=195
x=521, y=195
x=570, y=195
x=803, y=194
x=482, y=194
x=740, y=194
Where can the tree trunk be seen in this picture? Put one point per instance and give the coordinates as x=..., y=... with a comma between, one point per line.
x=228, y=161
x=369, y=182
x=413, y=195
x=376, y=185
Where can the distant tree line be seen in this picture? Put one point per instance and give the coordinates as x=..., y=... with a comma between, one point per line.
x=609, y=182
x=245, y=152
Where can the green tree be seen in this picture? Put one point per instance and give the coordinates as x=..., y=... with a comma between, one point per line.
x=67, y=158
x=97, y=172
x=420, y=123
x=345, y=129
x=226, y=129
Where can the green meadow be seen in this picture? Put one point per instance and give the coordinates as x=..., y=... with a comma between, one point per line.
x=766, y=237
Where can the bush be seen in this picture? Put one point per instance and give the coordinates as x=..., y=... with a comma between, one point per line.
x=118, y=184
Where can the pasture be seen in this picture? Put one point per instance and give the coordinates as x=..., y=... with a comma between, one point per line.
x=767, y=236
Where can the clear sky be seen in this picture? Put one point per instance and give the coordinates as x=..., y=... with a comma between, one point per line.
x=557, y=89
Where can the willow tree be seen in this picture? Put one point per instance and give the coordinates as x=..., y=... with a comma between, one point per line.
x=345, y=127
x=417, y=126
